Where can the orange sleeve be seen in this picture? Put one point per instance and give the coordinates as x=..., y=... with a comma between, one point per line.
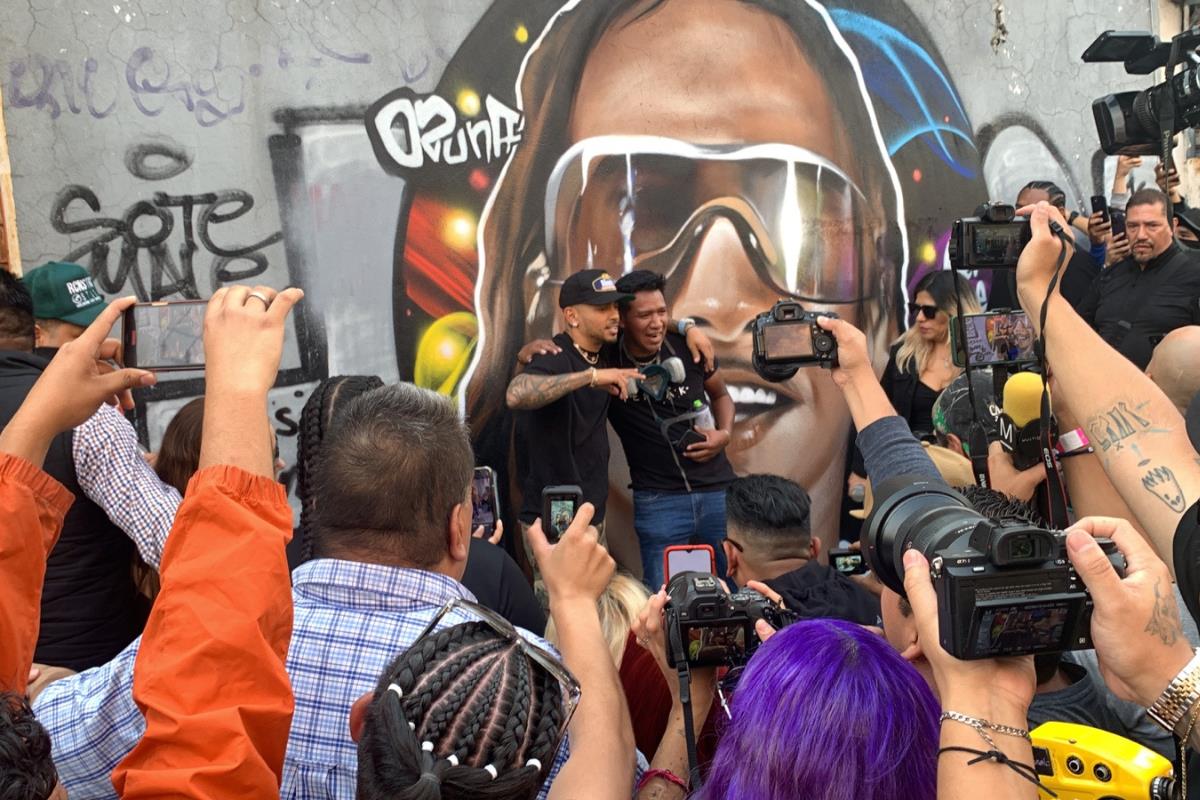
x=32, y=508
x=209, y=676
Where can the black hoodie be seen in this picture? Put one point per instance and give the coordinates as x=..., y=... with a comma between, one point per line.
x=820, y=591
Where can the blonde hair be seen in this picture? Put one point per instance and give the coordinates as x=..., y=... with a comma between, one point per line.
x=914, y=350
x=623, y=599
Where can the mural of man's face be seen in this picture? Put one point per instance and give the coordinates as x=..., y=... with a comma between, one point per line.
x=717, y=72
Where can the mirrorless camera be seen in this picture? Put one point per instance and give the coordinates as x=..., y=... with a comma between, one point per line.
x=787, y=337
x=992, y=240
x=1004, y=588
x=708, y=627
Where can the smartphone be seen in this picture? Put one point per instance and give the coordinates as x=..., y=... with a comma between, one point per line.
x=1100, y=206
x=165, y=336
x=559, y=504
x=485, y=500
x=688, y=438
x=848, y=562
x=995, y=337
x=688, y=558
x=1118, y=222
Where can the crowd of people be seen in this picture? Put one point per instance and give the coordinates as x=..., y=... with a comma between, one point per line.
x=171, y=630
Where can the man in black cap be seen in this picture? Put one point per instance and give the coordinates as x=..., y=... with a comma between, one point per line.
x=563, y=399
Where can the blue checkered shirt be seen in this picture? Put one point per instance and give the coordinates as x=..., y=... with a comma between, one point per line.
x=112, y=473
x=351, y=621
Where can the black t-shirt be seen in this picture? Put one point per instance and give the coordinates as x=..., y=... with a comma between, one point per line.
x=1186, y=548
x=1131, y=307
x=654, y=463
x=566, y=442
x=498, y=583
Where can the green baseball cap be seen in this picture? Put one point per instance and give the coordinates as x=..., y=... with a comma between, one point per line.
x=64, y=291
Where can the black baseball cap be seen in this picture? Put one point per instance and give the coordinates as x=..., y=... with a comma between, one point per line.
x=591, y=287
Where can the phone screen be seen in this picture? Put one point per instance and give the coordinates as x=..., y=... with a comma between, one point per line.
x=1118, y=222
x=999, y=338
x=484, y=503
x=847, y=562
x=167, y=335
x=562, y=511
x=691, y=559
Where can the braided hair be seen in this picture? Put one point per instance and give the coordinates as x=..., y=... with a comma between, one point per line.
x=330, y=395
x=463, y=713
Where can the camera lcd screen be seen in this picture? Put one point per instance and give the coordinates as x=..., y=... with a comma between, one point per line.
x=717, y=644
x=996, y=243
x=848, y=564
x=169, y=335
x=788, y=341
x=999, y=339
x=1017, y=628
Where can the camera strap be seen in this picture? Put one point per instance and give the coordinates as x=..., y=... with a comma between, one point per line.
x=977, y=433
x=685, y=700
x=1056, y=494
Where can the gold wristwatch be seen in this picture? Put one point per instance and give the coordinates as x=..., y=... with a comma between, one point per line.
x=1171, y=708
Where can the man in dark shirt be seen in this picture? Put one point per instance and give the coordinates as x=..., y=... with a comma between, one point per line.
x=1137, y=301
x=676, y=457
x=770, y=540
x=564, y=399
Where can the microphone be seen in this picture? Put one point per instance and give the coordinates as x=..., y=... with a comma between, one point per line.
x=1020, y=423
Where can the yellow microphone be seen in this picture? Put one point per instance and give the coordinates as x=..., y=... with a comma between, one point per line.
x=1020, y=424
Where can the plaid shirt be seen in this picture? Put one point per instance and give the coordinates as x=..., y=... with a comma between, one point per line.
x=112, y=473
x=351, y=621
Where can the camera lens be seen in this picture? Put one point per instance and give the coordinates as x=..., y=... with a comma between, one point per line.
x=911, y=512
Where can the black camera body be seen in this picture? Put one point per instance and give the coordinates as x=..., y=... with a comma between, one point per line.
x=1131, y=123
x=787, y=337
x=992, y=240
x=707, y=627
x=1003, y=588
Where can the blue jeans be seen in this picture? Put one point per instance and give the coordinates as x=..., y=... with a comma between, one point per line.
x=662, y=520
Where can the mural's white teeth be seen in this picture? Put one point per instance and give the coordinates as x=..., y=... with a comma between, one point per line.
x=751, y=395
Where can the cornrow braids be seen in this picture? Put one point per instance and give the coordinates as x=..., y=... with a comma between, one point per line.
x=464, y=713
x=315, y=420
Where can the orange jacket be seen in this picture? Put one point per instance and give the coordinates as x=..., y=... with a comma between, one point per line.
x=32, y=507
x=210, y=676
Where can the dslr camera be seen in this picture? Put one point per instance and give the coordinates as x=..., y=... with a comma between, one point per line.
x=707, y=627
x=992, y=240
x=787, y=337
x=1003, y=588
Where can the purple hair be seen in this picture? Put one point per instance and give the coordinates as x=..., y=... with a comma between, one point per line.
x=827, y=710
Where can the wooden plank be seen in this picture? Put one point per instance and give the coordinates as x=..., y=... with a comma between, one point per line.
x=10, y=251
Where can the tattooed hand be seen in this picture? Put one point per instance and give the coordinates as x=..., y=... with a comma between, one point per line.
x=1136, y=628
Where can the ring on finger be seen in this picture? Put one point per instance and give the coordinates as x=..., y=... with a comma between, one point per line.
x=260, y=296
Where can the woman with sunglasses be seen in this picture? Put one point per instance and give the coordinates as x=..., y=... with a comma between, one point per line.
x=920, y=364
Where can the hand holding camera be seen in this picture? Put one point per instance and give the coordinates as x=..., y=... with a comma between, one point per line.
x=1005, y=685
x=787, y=338
x=1038, y=260
x=243, y=337
x=1119, y=249
x=1135, y=625
x=649, y=631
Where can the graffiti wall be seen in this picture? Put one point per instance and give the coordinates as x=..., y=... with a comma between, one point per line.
x=430, y=171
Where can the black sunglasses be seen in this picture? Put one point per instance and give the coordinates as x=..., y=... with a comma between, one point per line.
x=930, y=312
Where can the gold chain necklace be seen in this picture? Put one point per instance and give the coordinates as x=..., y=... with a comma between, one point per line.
x=591, y=358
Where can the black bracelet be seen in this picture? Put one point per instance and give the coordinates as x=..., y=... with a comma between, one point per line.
x=1024, y=770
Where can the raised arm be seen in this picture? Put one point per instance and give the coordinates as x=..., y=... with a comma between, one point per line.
x=224, y=568
x=1137, y=431
x=577, y=570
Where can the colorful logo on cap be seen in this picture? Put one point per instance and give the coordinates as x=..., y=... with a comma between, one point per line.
x=83, y=293
x=604, y=283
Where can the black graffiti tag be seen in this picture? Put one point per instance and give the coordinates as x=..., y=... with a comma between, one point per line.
x=148, y=224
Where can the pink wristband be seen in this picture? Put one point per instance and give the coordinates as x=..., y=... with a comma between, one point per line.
x=665, y=774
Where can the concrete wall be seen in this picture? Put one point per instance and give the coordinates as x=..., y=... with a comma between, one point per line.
x=175, y=146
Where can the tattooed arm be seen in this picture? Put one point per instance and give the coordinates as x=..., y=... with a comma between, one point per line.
x=1138, y=433
x=528, y=391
